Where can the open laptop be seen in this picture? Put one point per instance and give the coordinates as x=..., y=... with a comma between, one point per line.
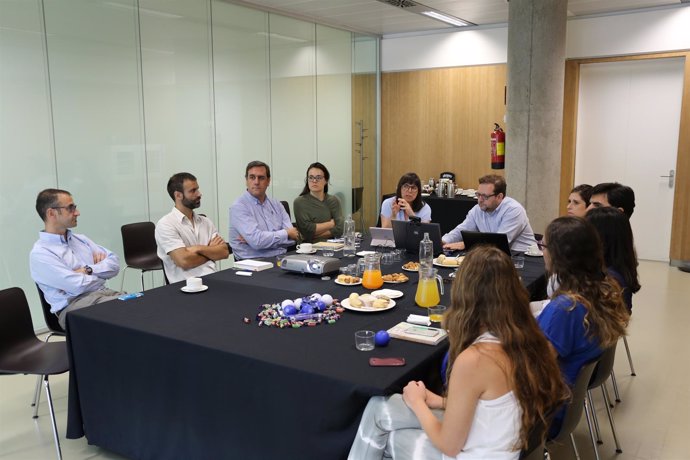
x=382, y=237
x=408, y=234
x=500, y=240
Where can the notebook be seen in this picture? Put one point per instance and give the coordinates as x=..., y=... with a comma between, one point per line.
x=416, y=333
x=382, y=237
x=500, y=240
x=408, y=234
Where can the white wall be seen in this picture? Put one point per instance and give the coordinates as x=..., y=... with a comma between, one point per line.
x=109, y=99
x=650, y=31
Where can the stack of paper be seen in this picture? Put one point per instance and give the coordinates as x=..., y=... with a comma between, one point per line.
x=328, y=245
x=253, y=265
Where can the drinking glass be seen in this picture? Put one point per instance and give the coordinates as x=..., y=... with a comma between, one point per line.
x=364, y=340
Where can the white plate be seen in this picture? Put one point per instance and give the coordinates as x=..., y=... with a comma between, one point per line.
x=347, y=284
x=313, y=251
x=193, y=291
x=346, y=304
x=449, y=266
x=365, y=253
x=409, y=269
x=534, y=254
x=390, y=293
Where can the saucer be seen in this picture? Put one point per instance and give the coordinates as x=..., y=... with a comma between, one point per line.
x=313, y=251
x=189, y=290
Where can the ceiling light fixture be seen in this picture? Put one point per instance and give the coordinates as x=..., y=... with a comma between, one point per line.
x=445, y=18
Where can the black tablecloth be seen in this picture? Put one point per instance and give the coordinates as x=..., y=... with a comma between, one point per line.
x=449, y=212
x=175, y=375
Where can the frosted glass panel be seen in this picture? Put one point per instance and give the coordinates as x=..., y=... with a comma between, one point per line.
x=26, y=151
x=242, y=89
x=176, y=69
x=92, y=52
x=293, y=104
x=334, y=109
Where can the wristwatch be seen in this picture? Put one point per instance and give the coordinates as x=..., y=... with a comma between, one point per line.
x=88, y=269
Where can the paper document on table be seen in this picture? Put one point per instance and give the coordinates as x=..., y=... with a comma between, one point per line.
x=253, y=265
x=419, y=319
x=328, y=245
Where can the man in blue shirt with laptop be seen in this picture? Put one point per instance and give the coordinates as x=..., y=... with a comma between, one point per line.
x=495, y=213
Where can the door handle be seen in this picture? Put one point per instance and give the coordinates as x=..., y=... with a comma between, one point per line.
x=671, y=176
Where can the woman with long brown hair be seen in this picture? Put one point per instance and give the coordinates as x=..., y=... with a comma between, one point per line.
x=586, y=313
x=503, y=381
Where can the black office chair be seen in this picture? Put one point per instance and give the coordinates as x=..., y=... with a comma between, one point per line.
x=574, y=409
x=286, y=205
x=383, y=198
x=21, y=352
x=139, y=245
x=54, y=327
x=447, y=175
x=357, y=196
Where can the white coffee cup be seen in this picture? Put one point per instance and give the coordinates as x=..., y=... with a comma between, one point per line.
x=305, y=248
x=194, y=283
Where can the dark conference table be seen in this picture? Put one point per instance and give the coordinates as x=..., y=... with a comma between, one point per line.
x=175, y=375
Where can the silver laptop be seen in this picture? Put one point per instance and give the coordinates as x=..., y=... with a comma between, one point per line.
x=382, y=237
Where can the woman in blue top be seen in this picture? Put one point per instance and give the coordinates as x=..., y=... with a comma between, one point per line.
x=620, y=257
x=406, y=203
x=586, y=313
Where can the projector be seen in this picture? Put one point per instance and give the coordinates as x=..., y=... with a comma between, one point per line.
x=312, y=264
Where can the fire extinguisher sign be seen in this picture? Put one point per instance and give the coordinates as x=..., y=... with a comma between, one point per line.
x=498, y=148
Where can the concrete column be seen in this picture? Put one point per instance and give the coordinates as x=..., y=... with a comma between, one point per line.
x=536, y=70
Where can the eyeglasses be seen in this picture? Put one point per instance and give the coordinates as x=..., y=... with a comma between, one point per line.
x=484, y=196
x=410, y=187
x=314, y=178
x=71, y=208
x=541, y=245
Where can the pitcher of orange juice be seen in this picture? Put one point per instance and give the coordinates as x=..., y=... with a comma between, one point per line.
x=427, y=291
x=371, y=278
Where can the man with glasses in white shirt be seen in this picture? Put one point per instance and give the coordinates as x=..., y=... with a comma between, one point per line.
x=259, y=225
x=69, y=268
x=494, y=213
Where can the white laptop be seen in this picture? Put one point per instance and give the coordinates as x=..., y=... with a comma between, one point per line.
x=382, y=237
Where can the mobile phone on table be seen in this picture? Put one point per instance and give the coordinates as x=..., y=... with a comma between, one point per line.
x=386, y=362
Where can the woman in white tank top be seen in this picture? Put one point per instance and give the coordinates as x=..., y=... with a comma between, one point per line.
x=502, y=377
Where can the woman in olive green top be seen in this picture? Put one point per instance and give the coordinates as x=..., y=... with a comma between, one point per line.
x=318, y=214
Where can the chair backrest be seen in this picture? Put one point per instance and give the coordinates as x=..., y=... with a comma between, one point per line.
x=574, y=408
x=138, y=239
x=15, y=319
x=50, y=318
x=535, y=444
x=383, y=198
x=357, y=193
x=604, y=367
x=286, y=205
x=447, y=175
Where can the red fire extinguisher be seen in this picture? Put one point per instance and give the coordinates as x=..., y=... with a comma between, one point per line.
x=498, y=148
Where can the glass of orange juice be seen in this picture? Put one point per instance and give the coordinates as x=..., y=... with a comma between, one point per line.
x=371, y=278
x=436, y=314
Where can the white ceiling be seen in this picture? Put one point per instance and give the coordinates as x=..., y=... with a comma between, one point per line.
x=374, y=17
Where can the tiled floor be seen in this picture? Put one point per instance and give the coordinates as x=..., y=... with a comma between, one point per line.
x=653, y=419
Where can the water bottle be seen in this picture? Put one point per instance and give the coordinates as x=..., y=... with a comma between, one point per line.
x=349, y=237
x=426, y=252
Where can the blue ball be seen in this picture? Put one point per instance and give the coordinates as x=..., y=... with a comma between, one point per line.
x=290, y=310
x=320, y=305
x=382, y=339
x=307, y=309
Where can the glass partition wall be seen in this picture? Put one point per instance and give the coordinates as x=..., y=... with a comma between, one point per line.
x=108, y=99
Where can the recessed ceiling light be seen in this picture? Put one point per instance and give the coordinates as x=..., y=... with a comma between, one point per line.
x=445, y=18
